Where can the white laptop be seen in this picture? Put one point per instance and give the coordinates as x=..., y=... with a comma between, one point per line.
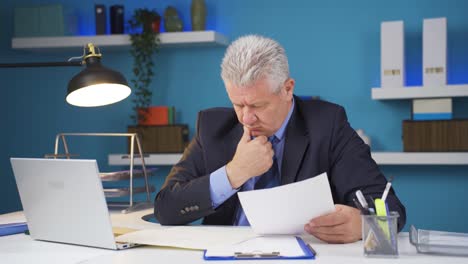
x=63, y=201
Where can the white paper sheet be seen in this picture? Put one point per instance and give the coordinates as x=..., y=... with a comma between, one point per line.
x=192, y=237
x=15, y=217
x=286, y=245
x=286, y=209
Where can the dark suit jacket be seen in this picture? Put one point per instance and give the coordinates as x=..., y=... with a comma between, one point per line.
x=318, y=139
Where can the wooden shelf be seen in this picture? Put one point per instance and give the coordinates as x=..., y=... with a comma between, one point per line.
x=190, y=38
x=161, y=159
x=420, y=158
x=414, y=92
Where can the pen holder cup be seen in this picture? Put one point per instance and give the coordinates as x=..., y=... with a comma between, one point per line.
x=380, y=235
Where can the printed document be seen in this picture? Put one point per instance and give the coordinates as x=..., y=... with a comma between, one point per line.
x=284, y=210
x=193, y=237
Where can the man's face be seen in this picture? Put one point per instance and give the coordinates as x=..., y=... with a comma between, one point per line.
x=259, y=109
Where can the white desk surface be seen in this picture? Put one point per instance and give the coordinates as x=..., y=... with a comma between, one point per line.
x=21, y=248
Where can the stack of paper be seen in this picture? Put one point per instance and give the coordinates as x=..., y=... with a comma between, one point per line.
x=13, y=223
x=280, y=210
x=193, y=237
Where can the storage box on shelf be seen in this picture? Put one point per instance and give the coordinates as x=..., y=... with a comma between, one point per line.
x=162, y=138
x=435, y=135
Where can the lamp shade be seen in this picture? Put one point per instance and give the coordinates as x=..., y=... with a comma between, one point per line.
x=97, y=85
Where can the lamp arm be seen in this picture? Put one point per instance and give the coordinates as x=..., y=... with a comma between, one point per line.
x=40, y=64
x=97, y=84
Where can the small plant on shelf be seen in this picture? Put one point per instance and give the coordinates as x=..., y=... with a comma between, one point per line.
x=145, y=24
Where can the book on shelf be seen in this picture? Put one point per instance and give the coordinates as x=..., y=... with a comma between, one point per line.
x=159, y=115
x=432, y=109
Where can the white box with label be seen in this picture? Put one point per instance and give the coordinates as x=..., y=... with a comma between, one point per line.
x=435, y=52
x=392, y=50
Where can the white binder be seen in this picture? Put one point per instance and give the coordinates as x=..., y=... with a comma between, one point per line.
x=392, y=47
x=435, y=52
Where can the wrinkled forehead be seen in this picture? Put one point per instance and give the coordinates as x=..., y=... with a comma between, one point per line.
x=254, y=94
x=250, y=83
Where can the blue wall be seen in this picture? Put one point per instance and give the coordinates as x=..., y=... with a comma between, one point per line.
x=334, y=52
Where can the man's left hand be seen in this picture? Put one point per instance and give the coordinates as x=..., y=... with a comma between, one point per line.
x=341, y=226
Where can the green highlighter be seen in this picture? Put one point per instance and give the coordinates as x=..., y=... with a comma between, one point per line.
x=381, y=210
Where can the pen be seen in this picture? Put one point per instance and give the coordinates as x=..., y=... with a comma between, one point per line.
x=371, y=204
x=387, y=189
x=362, y=199
x=359, y=206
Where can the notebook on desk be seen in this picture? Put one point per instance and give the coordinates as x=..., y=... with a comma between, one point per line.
x=63, y=201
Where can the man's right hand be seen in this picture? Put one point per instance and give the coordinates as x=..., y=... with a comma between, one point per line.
x=253, y=157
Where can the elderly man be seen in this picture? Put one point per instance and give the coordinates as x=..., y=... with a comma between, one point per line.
x=270, y=137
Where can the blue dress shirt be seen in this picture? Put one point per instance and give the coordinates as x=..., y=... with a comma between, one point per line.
x=221, y=189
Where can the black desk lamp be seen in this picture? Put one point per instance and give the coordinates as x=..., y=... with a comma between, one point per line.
x=96, y=85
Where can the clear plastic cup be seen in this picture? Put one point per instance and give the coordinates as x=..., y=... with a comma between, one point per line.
x=380, y=235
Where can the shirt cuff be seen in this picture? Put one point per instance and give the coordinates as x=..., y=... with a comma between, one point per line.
x=220, y=187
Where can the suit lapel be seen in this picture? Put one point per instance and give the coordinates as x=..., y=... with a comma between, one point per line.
x=294, y=147
x=231, y=141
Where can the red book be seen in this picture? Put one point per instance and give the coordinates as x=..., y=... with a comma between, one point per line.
x=156, y=115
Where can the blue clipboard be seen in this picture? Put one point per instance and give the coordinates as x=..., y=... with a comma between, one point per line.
x=309, y=253
x=13, y=228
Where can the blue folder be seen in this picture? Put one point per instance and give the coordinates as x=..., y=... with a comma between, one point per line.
x=13, y=228
x=309, y=253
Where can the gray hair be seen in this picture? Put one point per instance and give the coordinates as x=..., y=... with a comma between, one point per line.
x=251, y=58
